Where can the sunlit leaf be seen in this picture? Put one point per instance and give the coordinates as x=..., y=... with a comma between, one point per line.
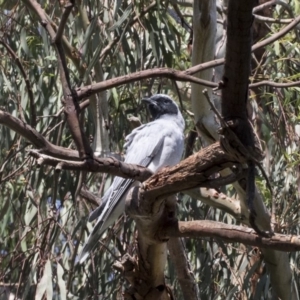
x=61, y=282
x=45, y=284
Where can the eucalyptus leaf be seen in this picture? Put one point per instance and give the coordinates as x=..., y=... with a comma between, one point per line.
x=122, y=19
x=61, y=282
x=23, y=40
x=45, y=284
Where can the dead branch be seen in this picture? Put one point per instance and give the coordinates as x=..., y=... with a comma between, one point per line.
x=63, y=21
x=262, y=19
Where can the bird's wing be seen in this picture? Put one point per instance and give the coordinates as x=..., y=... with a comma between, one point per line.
x=140, y=153
x=143, y=144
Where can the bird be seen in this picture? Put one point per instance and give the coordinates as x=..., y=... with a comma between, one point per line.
x=154, y=145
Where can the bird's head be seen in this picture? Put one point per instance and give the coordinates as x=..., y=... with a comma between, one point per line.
x=161, y=104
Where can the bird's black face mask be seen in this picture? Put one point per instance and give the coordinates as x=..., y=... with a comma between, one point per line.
x=160, y=105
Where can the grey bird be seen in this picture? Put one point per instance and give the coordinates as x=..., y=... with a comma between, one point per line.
x=154, y=145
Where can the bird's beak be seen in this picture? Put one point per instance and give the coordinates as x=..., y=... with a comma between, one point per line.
x=149, y=101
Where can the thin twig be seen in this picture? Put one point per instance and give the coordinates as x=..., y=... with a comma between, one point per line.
x=63, y=21
x=263, y=19
x=33, y=119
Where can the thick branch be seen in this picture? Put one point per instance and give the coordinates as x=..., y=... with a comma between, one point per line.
x=152, y=251
x=192, y=172
x=229, y=233
x=237, y=60
x=68, y=159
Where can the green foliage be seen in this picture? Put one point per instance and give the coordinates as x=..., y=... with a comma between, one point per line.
x=41, y=236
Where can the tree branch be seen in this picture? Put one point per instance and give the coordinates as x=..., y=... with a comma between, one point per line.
x=229, y=233
x=271, y=39
x=152, y=251
x=37, y=139
x=87, y=91
x=183, y=269
x=107, y=165
x=274, y=84
x=192, y=172
x=70, y=96
x=63, y=21
x=27, y=82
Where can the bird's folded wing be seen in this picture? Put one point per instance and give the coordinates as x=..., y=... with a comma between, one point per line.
x=118, y=188
x=108, y=211
x=147, y=143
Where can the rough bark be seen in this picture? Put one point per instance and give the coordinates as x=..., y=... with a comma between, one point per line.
x=234, y=106
x=194, y=171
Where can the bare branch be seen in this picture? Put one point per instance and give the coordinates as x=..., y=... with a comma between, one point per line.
x=271, y=39
x=27, y=82
x=272, y=20
x=183, y=269
x=264, y=5
x=219, y=200
x=229, y=233
x=37, y=139
x=70, y=97
x=63, y=21
x=274, y=84
x=87, y=91
x=93, y=199
x=107, y=165
x=277, y=35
